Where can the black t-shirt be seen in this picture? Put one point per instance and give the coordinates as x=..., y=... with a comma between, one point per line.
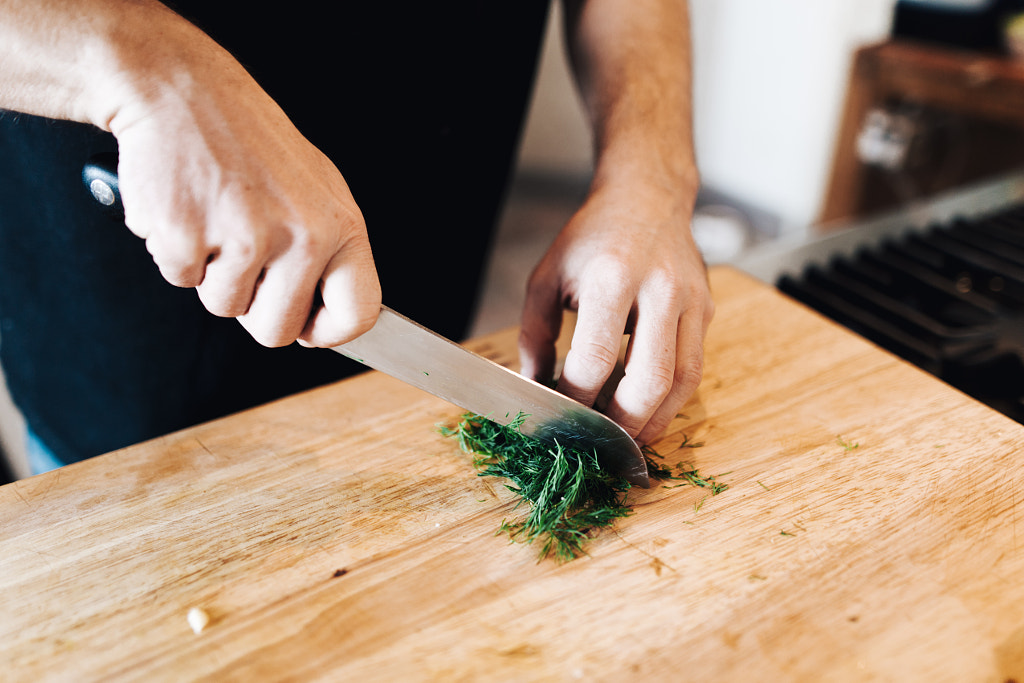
x=419, y=105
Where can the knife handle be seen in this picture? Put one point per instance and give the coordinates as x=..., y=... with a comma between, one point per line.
x=100, y=177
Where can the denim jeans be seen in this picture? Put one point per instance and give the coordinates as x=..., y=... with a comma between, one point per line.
x=40, y=458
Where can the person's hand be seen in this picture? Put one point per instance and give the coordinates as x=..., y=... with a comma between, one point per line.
x=233, y=201
x=627, y=263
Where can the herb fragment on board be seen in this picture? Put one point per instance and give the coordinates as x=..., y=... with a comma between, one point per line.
x=689, y=475
x=693, y=477
x=568, y=493
x=656, y=470
x=690, y=444
x=847, y=445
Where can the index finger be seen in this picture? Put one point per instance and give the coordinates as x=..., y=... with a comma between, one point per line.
x=600, y=326
x=350, y=299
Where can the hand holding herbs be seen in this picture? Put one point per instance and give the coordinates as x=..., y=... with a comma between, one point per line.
x=568, y=493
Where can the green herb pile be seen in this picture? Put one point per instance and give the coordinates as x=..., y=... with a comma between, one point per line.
x=569, y=494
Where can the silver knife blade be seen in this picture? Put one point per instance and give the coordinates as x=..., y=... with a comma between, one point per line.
x=407, y=351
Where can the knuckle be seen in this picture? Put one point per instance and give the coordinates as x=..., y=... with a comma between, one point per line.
x=138, y=227
x=688, y=378
x=306, y=245
x=656, y=383
x=271, y=336
x=363, y=318
x=271, y=326
x=341, y=326
x=667, y=280
x=351, y=222
x=180, y=274
x=535, y=337
x=639, y=396
x=593, y=359
x=610, y=275
x=313, y=245
x=662, y=385
x=230, y=310
x=709, y=312
x=243, y=248
x=670, y=292
x=540, y=281
x=222, y=304
x=182, y=261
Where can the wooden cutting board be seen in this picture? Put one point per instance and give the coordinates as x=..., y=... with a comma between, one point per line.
x=335, y=535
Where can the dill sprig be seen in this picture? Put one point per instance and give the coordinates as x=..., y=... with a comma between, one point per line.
x=656, y=470
x=693, y=477
x=847, y=445
x=570, y=496
x=687, y=473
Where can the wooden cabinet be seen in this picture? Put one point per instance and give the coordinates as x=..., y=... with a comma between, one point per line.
x=969, y=108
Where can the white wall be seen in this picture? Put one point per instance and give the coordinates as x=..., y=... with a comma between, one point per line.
x=557, y=135
x=769, y=81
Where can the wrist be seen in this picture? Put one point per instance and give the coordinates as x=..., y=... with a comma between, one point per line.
x=143, y=57
x=650, y=172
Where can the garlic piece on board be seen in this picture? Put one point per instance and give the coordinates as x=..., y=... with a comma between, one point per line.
x=198, y=619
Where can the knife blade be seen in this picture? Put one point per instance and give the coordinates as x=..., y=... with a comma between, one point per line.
x=408, y=351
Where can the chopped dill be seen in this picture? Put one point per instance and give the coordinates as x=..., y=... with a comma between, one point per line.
x=569, y=495
x=651, y=453
x=694, y=478
x=656, y=470
x=690, y=444
x=847, y=445
x=688, y=474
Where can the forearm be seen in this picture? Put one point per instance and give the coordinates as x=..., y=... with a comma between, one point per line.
x=231, y=199
x=91, y=60
x=632, y=64
x=627, y=261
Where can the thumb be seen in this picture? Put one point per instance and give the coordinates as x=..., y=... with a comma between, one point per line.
x=541, y=323
x=351, y=298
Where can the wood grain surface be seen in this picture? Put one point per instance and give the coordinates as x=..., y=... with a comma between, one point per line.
x=335, y=535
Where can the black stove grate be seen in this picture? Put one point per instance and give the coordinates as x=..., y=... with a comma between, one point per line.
x=949, y=299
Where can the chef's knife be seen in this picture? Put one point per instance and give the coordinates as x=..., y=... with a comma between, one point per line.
x=417, y=356
x=410, y=352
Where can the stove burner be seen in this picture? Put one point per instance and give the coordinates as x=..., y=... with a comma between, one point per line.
x=949, y=299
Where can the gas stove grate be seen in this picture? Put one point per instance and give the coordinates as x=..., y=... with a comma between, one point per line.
x=949, y=299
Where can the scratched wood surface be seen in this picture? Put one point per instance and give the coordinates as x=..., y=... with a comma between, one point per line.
x=335, y=535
